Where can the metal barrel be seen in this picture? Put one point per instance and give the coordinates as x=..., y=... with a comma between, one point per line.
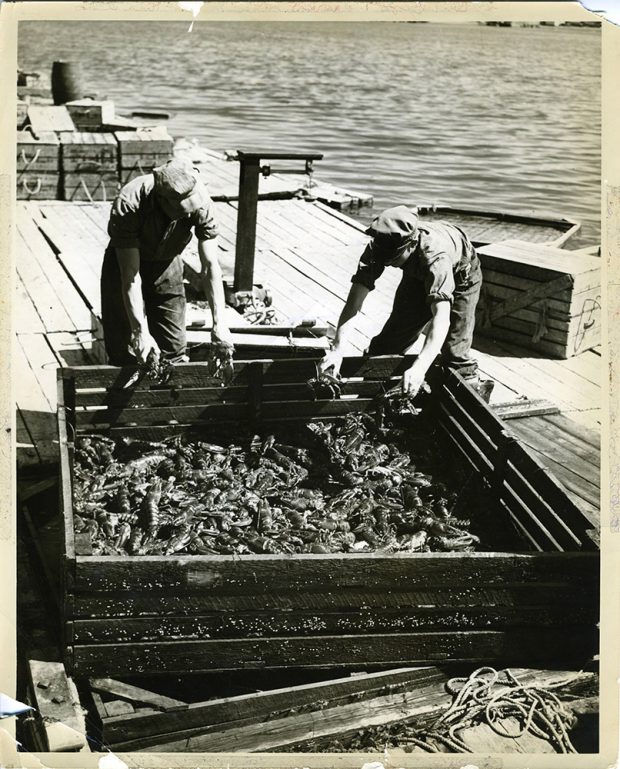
x=67, y=81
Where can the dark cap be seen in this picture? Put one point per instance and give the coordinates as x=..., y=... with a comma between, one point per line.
x=178, y=182
x=393, y=231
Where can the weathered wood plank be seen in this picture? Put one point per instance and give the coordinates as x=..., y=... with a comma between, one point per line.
x=34, y=361
x=231, y=412
x=300, y=623
x=132, y=693
x=260, y=707
x=163, y=604
x=256, y=575
x=185, y=396
x=68, y=296
x=80, y=257
x=533, y=646
x=524, y=408
x=57, y=701
x=281, y=371
x=560, y=446
x=27, y=319
x=40, y=287
x=545, y=518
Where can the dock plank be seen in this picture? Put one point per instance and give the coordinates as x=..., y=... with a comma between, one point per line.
x=81, y=259
x=37, y=282
x=25, y=447
x=27, y=319
x=33, y=244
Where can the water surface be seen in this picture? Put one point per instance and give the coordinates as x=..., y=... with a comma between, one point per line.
x=504, y=118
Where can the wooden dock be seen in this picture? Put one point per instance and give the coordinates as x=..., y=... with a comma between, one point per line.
x=306, y=253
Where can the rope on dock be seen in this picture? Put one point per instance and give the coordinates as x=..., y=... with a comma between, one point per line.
x=489, y=697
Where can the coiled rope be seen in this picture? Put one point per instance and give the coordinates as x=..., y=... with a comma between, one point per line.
x=490, y=697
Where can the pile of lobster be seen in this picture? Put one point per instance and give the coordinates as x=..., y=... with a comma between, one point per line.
x=320, y=488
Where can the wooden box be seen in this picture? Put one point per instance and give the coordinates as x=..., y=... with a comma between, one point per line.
x=142, y=150
x=188, y=613
x=40, y=153
x=85, y=152
x=540, y=297
x=89, y=115
x=38, y=185
x=101, y=187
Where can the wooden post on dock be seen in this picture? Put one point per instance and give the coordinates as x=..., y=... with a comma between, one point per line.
x=248, y=205
x=246, y=221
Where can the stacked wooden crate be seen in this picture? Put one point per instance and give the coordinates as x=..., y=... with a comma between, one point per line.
x=127, y=615
x=540, y=297
x=90, y=115
x=90, y=166
x=99, y=152
x=38, y=165
x=142, y=150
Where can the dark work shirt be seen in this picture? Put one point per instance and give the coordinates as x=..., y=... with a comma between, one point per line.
x=137, y=221
x=440, y=249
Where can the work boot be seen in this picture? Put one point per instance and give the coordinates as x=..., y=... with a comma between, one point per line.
x=484, y=387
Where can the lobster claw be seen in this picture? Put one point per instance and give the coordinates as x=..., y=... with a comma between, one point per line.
x=220, y=361
x=324, y=386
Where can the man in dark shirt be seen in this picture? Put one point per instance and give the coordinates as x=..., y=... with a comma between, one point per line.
x=142, y=292
x=437, y=294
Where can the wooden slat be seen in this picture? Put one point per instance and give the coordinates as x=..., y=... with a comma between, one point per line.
x=290, y=370
x=524, y=408
x=261, y=706
x=65, y=491
x=201, y=395
x=547, y=485
x=237, y=713
x=162, y=604
x=251, y=574
x=482, y=428
x=548, y=529
x=228, y=412
x=530, y=646
x=301, y=623
x=132, y=693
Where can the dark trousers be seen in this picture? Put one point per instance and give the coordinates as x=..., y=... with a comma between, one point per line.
x=164, y=305
x=411, y=312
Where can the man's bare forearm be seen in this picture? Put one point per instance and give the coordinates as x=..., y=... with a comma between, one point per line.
x=353, y=304
x=212, y=282
x=131, y=287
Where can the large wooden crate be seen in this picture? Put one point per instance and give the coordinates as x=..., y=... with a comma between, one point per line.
x=37, y=165
x=187, y=613
x=540, y=297
x=88, y=152
x=142, y=150
x=89, y=114
x=90, y=187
